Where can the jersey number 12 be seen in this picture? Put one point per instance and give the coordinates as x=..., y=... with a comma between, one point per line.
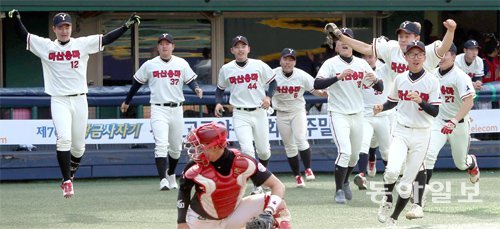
x=74, y=64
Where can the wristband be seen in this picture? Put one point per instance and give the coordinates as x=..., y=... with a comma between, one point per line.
x=274, y=202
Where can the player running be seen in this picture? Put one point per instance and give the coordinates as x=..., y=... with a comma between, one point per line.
x=166, y=75
x=290, y=106
x=416, y=96
x=343, y=77
x=376, y=128
x=64, y=63
x=452, y=123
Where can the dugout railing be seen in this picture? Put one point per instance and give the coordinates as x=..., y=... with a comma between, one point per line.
x=127, y=160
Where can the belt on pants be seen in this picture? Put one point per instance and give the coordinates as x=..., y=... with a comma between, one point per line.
x=168, y=104
x=246, y=109
x=461, y=121
x=76, y=94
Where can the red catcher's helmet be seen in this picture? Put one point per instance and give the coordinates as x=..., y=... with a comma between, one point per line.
x=205, y=136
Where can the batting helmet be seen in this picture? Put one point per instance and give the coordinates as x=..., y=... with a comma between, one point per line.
x=205, y=136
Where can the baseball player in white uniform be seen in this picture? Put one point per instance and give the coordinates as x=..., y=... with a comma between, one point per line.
x=392, y=52
x=452, y=123
x=246, y=78
x=64, y=63
x=166, y=75
x=376, y=128
x=471, y=64
x=343, y=77
x=290, y=105
x=416, y=95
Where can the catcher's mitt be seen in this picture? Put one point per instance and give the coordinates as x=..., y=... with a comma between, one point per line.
x=333, y=34
x=264, y=221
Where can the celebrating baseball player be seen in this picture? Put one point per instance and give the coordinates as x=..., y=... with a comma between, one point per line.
x=64, y=63
x=246, y=79
x=392, y=52
x=290, y=106
x=471, y=64
x=452, y=123
x=219, y=176
x=416, y=96
x=344, y=76
x=166, y=75
x=376, y=128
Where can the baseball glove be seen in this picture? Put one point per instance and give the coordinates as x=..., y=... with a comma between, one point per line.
x=264, y=221
x=134, y=19
x=14, y=13
x=333, y=34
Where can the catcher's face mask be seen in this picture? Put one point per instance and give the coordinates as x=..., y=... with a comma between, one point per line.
x=204, y=137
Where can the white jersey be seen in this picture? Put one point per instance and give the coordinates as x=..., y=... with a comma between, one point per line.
x=372, y=97
x=408, y=112
x=64, y=66
x=345, y=96
x=289, y=92
x=475, y=69
x=391, y=53
x=455, y=86
x=165, y=79
x=246, y=84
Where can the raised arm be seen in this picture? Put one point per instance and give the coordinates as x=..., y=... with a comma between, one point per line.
x=21, y=31
x=333, y=33
x=450, y=26
x=118, y=32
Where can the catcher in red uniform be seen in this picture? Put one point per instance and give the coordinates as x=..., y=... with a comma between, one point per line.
x=220, y=177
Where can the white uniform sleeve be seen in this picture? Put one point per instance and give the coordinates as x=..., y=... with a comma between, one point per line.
x=92, y=43
x=435, y=95
x=142, y=75
x=308, y=81
x=37, y=45
x=464, y=86
x=431, y=56
x=393, y=94
x=383, y=49
x=479, y=71
x=267, y=72
x=187, y=72
x=326, y=69
x=221, y=80
x=382, y=72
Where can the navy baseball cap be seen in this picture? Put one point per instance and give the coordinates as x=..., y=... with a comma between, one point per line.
x=288, y=52
x=61, y=19
x=415, y=44
x=348, y=32
x=240, y=38
x=409, y=27
x=453, y=48
x=166, y=37
x=470, y=44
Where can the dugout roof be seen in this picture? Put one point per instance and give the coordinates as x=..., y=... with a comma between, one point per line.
x=250, y=5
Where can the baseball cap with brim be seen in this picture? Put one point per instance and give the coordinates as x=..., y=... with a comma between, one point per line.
x=166, y=37
x=415, y=44
x=240, y=38
x=409, y=27
x=61, y=19
x=348, y=32
x=453, y=48
x=470, y=44
x=288, y=52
